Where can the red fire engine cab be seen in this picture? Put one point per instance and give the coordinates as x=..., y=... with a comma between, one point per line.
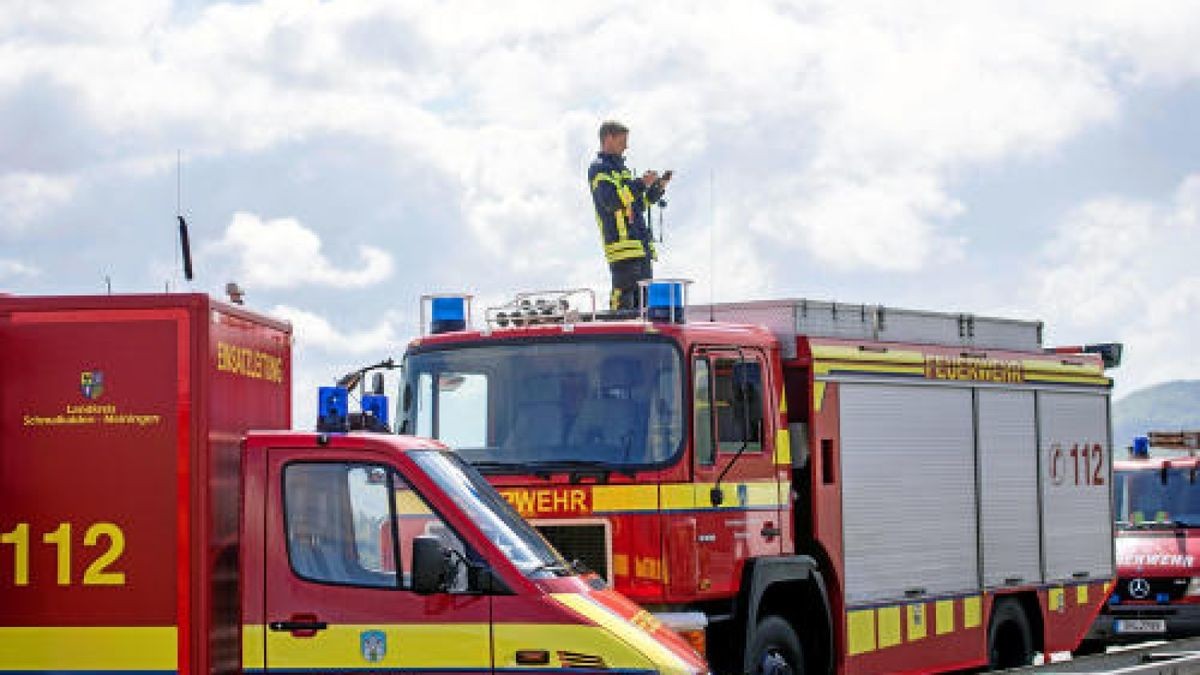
x=795, y=486
x=1156, y=497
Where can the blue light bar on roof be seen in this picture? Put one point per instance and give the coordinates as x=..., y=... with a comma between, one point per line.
x=664, y=301
x=449, y=314
x=333, y=409
x=377, y=406
x=1141, y=446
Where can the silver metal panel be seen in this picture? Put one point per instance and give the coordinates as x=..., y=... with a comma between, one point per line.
x=1008, y=485
x=1075, y=472
x=815, y=318
x=908, y=486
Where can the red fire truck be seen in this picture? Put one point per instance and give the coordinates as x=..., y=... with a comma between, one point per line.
x=1157, y=502
x=142, y=529
x=795, y=486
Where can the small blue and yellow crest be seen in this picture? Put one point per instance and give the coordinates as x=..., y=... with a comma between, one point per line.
x=373, y=644
x=91, y=383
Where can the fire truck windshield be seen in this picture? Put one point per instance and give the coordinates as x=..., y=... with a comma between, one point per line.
x=587, y=404
x=494, y=517
x=1147, y=498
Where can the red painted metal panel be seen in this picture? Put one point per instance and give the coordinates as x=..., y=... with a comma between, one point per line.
x=105, y=427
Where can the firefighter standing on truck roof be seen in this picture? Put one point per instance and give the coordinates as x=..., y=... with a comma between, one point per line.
x=620, y=202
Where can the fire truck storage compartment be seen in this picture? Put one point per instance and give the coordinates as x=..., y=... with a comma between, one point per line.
x=954, y=445
x=899, y=442
x=1076, y=478
x=1008, y=493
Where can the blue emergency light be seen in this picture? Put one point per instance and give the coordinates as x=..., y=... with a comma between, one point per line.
x=1114, y=599
x=449, y=314
x=664, y=301
x=377, y=406
x=1141, y=446
x=333, y=409
x=1162, y=598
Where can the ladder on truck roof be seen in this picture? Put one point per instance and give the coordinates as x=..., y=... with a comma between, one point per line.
x=790, y=318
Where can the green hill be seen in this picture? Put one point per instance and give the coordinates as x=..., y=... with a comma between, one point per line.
x=1170, y=406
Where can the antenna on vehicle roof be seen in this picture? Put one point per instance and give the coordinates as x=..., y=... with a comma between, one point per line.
x=185, y=245
x=712, y=228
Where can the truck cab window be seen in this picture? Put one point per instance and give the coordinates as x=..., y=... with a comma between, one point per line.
x=342, y=527
x=702, y=422
x=738, y=402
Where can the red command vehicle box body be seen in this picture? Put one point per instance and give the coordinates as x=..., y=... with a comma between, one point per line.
x=120, y=424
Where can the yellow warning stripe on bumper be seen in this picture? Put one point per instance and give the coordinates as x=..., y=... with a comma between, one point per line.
x=117, y=648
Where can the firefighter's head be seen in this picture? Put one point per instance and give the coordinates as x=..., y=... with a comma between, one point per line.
x=614, y=137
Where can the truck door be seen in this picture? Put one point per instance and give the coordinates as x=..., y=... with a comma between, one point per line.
x=337, y=577
x=730, y=399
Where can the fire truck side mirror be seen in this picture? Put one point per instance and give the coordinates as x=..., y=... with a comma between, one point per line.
x=431, y=565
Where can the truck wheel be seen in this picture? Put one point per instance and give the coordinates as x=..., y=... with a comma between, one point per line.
x=775, y=649
x=1010, y=640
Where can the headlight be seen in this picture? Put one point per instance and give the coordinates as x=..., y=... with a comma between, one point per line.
x=1193, y=586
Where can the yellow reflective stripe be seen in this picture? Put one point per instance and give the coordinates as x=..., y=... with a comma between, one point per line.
x=116, y=648
x=424, y=645
x=889, y=626
x=624, y=498
x=643, y=649
x=622, y=231
x=783, y=447
x=860, y=631
x=253, y=644
x=943, y=616
x=1054, y=598
x=916, y=622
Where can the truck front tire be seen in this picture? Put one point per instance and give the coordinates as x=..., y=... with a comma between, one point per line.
x=775, y=649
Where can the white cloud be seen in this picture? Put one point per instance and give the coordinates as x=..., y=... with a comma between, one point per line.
x=282, y=253
x=1125, y=270
x=26, y=196
x=313, y=331
x=11, y=269
x=853, y=119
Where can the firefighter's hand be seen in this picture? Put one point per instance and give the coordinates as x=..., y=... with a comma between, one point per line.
x=649, y=178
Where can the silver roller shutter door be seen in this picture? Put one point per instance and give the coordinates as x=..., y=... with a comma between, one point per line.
x=1008, y=487
x=1077, y=522
x=908, y=490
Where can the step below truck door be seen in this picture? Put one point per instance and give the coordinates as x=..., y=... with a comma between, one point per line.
x=338, y=572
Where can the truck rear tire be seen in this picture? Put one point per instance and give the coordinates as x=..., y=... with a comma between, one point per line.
x=1010, y=640
x=775, y=649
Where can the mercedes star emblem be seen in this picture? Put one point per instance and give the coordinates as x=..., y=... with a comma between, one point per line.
x=1139, y=588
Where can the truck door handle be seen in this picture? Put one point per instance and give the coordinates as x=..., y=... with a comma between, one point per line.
x=301, y=625
x=769, y=531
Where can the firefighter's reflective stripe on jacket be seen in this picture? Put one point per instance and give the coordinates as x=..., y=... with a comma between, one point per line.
x=619, y=202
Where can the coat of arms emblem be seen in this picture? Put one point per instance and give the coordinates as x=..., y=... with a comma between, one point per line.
x=91, y=383
x=373, y=644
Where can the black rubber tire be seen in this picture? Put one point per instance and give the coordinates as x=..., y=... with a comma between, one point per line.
x=1010, y=639
x=775, y=649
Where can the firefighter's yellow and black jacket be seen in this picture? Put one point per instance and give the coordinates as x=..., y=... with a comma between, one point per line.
x=621, y=201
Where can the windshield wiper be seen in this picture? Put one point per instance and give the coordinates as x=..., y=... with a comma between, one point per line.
x=552, y=566
x=578, y=468
x=503, y=467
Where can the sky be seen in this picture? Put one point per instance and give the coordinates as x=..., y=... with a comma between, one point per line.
x=338, y=159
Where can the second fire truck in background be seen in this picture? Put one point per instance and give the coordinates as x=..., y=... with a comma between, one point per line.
x=796, y=486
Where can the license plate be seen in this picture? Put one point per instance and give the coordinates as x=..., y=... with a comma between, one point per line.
x=1141, y=626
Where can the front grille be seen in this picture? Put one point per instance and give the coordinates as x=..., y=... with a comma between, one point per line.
x=1174, y=587
x=586, y=543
